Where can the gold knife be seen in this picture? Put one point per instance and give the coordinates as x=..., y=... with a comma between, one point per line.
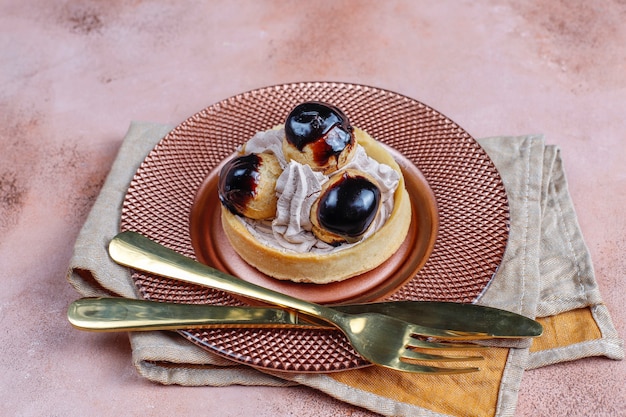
x=437, y=319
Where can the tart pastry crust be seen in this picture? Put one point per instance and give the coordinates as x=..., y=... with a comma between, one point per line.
x=337, y=265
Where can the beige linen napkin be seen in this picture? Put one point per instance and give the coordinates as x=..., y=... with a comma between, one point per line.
x=546, y=273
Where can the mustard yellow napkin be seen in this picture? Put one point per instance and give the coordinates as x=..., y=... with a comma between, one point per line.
x=546, y=273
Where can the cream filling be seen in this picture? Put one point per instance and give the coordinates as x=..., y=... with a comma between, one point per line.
x=299, y=186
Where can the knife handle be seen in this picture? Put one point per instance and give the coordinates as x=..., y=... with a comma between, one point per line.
x=122, y=314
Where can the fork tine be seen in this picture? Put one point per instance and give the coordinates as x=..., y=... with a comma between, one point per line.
x=415, y=342
x=444, y=335
x=448, y=334
x=412, y=354
x=423, y=369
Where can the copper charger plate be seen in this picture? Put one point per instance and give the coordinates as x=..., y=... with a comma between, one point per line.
x=471, y=199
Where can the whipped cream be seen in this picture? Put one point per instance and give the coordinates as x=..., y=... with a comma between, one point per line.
x=299, y=186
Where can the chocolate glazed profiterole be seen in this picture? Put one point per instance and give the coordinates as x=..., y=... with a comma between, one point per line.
x=247, y=185
x=346, y=211
x=319, y=135
x=346, y=208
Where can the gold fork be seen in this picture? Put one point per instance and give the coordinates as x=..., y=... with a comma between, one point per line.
x=380, y=339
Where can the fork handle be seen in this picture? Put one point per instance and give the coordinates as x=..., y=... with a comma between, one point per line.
x=137, y=251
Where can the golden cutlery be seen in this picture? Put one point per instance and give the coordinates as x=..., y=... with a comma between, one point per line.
x=104, y=314
x=380, y=339
x=123, y=314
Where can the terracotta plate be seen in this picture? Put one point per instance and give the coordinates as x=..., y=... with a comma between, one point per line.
x=471, y=200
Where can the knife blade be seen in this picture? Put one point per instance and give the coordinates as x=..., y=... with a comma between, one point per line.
x=437, y=319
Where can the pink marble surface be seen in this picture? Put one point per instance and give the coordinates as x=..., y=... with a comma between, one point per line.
x=73, y=74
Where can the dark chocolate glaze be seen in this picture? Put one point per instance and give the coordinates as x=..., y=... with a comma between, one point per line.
x=321, y=124
x=349, y=206
x=238, y=180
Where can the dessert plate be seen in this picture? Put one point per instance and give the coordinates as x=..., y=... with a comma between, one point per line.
x=211, y=246
x=471, y=203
